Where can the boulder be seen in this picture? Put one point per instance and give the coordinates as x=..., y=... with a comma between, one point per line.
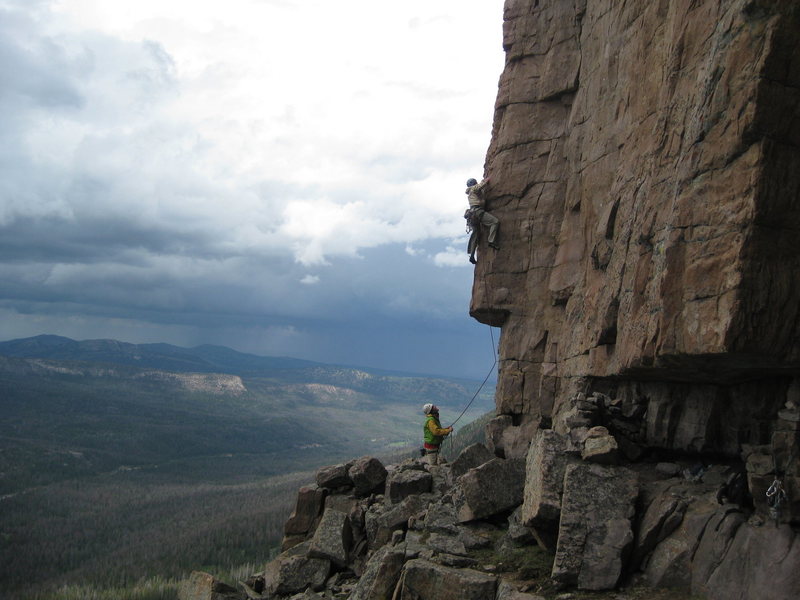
x=441, y=517
x=469, y=458
x=595, y=532
x=661, y=518
x=671, y=559
x=290, y=541
x=307, y=510
x=333, y=538
x=494, y=433
x=341, y=502
x=447, y=544
x=381, y=522
x=334, y=477
x=381, y=575
x=475, y=535
x=294, y=571
x=544, y=478
x=402, y=484
x=505, y=591
x=203, y=586
x=516, y=440
x=602, y=448
x=367, y=474
x=517, y=532
x=494, y=487
x=425, y=580
x=748, y=562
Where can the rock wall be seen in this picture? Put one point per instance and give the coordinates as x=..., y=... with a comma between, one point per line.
x=645, y=169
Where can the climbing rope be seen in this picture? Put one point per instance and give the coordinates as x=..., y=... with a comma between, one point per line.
x=494, y=364
x=476, y=225
x=485, y=379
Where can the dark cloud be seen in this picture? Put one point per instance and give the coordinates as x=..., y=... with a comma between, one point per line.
x=118, y=218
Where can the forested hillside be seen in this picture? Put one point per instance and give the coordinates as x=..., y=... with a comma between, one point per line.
x=110, y=471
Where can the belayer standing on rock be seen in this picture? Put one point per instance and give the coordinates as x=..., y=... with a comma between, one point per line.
x=434, y=433
x=477, y=215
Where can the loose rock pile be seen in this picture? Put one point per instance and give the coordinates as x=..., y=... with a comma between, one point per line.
x=363, y=531
x=412, y=531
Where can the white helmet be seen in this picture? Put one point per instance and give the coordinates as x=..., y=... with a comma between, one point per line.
x=428, y=408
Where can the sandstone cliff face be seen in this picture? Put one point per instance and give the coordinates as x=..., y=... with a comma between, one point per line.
x=645, y=168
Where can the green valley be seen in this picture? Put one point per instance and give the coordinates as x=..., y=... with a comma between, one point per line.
x=120, y=461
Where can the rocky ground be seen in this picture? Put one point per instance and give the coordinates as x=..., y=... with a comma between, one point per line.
x=413, y=531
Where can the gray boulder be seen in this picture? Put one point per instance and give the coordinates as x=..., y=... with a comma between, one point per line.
x=381, y=522
x=670, y=561
x=473, y=536
x=441, y=517
x=494, y=431
x=517, y=532
x=447, y=544
x=203, y=586
x=544, y=479
x=402, y=484
x=600, y=447
x=341, y=502
x=425, y=580
x=505, y=591
x=381, y=574
x=759, y=562
x=307, y=510
x=367, y=474
x=595, y=532
x=294, y=571
x=664, y=513
x=469, y=458
x=333, y=477
x=333, y=538
x=492, y=488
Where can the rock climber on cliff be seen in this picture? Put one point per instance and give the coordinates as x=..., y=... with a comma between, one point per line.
x=434, y=433
x=477, y=215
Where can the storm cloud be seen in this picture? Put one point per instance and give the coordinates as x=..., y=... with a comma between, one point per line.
x=280, y=177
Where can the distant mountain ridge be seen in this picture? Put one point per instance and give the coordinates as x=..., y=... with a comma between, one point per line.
x=166, y=357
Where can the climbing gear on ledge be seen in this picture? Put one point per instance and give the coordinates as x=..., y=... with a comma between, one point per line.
x=776, y=496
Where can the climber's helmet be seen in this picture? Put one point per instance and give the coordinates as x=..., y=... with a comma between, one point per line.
x=471, y=182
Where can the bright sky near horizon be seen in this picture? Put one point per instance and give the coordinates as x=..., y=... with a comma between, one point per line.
x=285, y=177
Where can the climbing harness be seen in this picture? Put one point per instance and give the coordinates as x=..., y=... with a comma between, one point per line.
x=473, y=218
x=776, y=497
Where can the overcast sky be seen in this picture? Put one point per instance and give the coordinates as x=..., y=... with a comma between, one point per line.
x=284, y=177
